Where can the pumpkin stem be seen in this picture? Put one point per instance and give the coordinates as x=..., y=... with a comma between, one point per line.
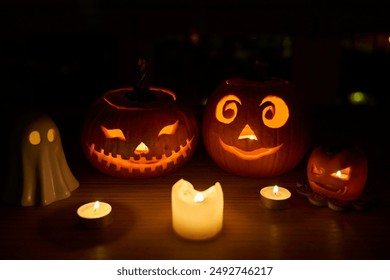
x=258, y=72
x=141, y=91
x=143, y=67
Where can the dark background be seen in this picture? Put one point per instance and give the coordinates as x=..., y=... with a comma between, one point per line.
x=71, y=51
x=59, y=56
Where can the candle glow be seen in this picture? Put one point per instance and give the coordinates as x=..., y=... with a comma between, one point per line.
x=274, y=197
x=198, y=197
x=342, y=174
x=96, y=206
x=275, y=190
x=196, y=215
x=95, y=214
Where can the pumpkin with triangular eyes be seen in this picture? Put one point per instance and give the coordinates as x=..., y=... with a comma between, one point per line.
x=131, y=134
x=256, y=128
x=338, y=172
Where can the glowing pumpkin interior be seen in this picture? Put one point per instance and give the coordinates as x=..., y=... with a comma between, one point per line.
x=275, y=114
x=127, y=138
x=337, y=173
x=255, y=128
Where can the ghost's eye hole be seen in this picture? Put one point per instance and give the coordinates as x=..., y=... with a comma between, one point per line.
x=113, y=133
x=34, y=137
x=51, y=135
x=226, y=110
x=169, y=129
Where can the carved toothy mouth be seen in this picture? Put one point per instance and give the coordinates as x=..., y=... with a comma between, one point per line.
x=249, y=155
x=331, y=188
x=142, y=164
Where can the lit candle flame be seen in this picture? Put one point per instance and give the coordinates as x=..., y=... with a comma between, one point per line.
x=275, y=190
x=96, y=206
x=198, y=197
x=338, y=173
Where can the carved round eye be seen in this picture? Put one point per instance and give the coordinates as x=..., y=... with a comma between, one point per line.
x=226, y=110
x=51, y=135
x=276, y=113
x=34, y=137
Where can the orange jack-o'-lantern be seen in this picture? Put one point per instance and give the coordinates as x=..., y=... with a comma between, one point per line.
x=337, y=172
x=139, y=135
x=255, y=128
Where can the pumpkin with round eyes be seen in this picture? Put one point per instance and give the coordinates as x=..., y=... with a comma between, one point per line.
x=255, y=128
x=132, y=134
x=337, y=172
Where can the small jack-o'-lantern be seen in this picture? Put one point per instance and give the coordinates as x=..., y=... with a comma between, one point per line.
x=337, y=172
x=255, y=127
x=139, y=133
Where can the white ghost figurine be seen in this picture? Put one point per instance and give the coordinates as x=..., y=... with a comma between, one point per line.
x=40, y=174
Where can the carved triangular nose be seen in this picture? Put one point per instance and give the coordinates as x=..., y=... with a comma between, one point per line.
x=141, y=149
x=247, y=133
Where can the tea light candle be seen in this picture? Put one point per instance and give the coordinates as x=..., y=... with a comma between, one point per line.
x=95, y=214
x=274, y=197
x=196, y=215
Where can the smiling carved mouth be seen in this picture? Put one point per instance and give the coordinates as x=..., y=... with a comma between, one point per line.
x=142, y=163
x=331, y=188
x=250, y=155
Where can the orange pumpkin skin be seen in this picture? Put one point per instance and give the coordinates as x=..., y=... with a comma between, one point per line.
x=129, y=138
x=256, y=128
x=337, y=173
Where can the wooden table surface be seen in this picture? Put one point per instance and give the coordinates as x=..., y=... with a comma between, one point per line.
x=142, y=223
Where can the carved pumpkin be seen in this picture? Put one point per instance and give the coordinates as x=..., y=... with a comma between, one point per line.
x=255, y=128
x=337, y=172
x=130, y=134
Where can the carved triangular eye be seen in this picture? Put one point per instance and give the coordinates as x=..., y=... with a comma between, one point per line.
x=169, y=129
x=113, y=133
x=342, y=174
x=316, y=170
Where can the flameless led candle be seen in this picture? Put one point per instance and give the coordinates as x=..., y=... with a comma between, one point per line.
x=274, y=197
x=196, y=215
x=95, y=214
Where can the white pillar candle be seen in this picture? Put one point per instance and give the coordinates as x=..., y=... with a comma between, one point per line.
x=196, y=215
x=95, y=214
x=274, y=197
